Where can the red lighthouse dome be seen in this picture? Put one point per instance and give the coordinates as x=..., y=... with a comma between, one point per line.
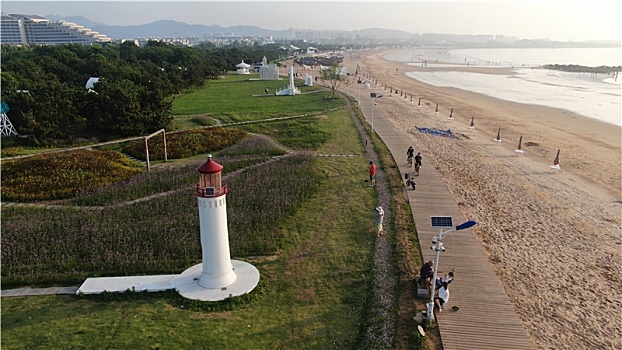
x=210, y=181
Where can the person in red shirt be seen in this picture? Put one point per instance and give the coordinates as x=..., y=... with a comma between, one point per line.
x=372, y=174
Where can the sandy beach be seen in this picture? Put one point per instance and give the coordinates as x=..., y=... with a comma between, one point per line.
x=553, y=238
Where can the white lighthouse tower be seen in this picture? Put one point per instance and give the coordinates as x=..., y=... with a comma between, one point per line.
x=217, y=277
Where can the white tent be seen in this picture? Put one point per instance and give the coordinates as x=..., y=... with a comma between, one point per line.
x=243, y=68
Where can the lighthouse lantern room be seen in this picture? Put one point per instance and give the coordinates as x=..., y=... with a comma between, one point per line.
x=210, y=181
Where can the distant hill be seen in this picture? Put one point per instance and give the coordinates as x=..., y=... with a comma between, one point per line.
x=85, y=22
x=380, y=33
x=169, y=28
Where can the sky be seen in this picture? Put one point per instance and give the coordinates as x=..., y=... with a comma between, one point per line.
x=570, y=20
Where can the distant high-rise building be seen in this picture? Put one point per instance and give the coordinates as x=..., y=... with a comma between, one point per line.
x=36, y=30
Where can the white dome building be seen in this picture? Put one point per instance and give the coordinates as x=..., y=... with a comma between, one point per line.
x=243, y=68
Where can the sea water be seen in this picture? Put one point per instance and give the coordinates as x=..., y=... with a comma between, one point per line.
x=596, y=96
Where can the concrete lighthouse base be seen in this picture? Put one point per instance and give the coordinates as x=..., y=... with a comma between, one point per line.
x=187, y=284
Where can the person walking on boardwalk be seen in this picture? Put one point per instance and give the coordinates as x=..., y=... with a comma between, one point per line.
x=372, y=174
x=417, y=163
x=409, y=156
x=418, y=159
x=379, y=220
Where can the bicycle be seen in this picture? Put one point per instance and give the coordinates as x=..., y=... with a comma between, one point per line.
x=409, y=181
x=417, y=167
x=409, y=160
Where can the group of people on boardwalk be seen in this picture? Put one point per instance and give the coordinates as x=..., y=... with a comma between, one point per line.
x=379, y=211
x=410, y=153
x=440, y=287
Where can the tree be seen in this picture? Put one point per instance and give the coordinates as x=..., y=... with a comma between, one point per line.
x=123, y=108
x=45, y=85
x=335, y=77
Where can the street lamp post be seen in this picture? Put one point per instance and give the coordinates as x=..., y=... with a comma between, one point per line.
x=441, y=222
x=358, y=100
x=373, y=96
x=373, y=102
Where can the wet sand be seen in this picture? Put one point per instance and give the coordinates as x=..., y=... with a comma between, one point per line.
x=553, y=238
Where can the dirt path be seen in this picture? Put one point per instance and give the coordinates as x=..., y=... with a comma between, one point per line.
x=382, y=319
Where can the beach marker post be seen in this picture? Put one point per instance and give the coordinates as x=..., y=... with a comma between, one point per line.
x=451, y=113
x=519, y=150
x=419, y=104
x=498, y=140
x=472, y=124
x=441, y=222
x=436, y=110
x=555, y=165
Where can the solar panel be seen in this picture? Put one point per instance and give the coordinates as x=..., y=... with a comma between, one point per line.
x=442, y=221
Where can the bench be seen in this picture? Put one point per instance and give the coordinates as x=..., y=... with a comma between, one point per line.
x=422, y=289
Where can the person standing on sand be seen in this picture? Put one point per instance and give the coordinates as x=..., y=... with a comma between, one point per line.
x=372, y=174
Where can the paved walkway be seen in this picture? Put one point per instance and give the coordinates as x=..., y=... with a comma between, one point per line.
x=486, y=318
x=22, y=292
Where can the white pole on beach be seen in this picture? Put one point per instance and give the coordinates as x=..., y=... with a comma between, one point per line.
x=438, y=247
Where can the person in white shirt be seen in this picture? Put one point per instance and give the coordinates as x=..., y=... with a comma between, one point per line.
x=379, y=221
x=442, y=297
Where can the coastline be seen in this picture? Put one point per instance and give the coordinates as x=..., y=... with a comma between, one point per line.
x=586, y=144
x=552, y=238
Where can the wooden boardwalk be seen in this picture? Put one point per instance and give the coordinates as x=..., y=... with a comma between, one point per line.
x=486, y=318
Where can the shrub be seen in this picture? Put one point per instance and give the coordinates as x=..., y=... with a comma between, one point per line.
x=155, y=182
x=204, y=120
x=160, y=235
x=186, y=144
x=61, y=175
x=255, y=145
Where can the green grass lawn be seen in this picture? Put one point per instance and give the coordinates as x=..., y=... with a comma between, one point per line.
x=231, y=99
x=314, y=291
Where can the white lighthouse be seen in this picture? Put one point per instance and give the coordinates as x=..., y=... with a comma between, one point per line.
x=217, y=277
x=212, y=195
